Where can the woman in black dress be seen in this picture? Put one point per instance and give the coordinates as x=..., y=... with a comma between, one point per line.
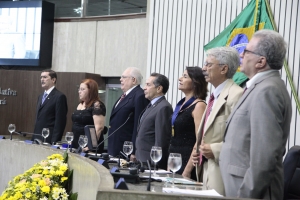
x=90, y=111
x=187, y=117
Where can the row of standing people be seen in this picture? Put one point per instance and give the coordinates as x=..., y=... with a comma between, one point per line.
x=236, y=141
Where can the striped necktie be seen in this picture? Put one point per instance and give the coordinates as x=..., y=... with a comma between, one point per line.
x=209, y=106
x=44, y=97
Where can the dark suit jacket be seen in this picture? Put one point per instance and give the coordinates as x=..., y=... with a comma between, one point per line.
x=135, y=102
x=255, y=137
x=51, y=114
x=155, y=130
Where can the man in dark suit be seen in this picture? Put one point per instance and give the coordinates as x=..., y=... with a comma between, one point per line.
x=258, y=126
x=132, y=101
x=154, y=127
x=51, y=109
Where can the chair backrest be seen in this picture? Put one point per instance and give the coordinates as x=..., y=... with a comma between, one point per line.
x=291, y=168
x=90, y=132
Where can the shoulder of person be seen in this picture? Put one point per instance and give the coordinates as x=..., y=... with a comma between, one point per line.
x=200, y=104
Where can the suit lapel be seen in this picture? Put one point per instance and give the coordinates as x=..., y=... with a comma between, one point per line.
x=245, y=95
x=222, y=99
x=48, y=98
x=147, y=111
x=124, y=101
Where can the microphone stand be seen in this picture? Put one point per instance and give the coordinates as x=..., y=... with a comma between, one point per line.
x=149, y=180
x=12, y=134
x=112, y=133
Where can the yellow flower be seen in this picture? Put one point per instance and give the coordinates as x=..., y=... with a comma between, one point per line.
x=54, y=156
x=46, y=172
x=59, y=173
x=28, y=195
x=63, y=168
x=45, y=189
x=33, y=188
x=42, y=183
x=63, y=179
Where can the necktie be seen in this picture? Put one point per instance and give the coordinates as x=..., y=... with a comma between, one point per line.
x=208, y=110
x=245, y=90
x=122, y=97
x=209, y=106
x=44, y=97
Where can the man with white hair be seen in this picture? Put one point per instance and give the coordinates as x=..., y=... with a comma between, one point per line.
x=132, y=101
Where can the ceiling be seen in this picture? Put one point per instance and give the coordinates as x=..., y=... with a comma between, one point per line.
x=65, y=8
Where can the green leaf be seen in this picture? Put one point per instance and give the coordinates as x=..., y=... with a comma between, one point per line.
x=73, y=196
x=65, y=157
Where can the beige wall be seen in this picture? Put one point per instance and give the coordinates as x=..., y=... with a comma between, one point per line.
x=101, y=47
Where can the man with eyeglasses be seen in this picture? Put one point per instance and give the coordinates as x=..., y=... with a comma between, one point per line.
x=258, y=127
x=132, y=101
x=220, y=66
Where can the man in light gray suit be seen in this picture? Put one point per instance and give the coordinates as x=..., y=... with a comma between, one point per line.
x=154, y=127
x=258, y=127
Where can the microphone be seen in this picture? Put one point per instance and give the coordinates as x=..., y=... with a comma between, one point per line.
x=113, y=133
x=149, y=180
x=26, y=133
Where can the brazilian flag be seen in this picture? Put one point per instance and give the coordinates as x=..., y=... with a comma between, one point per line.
x=237, y=34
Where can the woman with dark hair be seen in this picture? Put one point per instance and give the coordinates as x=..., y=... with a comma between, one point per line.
x=187, y=117
x=90, y=111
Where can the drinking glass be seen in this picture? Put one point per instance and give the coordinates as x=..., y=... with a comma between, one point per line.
x=174, y=163
x=69, y=137
x=11, y=129
x=83, y=140
x=45, y=133
x=155, y=154
x=127, y=148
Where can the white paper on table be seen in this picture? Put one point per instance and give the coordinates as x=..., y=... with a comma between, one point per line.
x=194, y=192
x=160, y=171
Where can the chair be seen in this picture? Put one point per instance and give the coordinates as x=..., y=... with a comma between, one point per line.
x=291, y=169
x=90, y=132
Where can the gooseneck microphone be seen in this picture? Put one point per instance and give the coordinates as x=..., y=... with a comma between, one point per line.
x=113, y=133
x=149, y=180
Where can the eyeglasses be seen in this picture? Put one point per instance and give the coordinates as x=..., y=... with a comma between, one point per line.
x=207, y=64
x=81, y=89
x=123, y=77
x=248, y=51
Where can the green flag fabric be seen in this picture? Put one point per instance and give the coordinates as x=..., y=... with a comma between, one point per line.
x=238, y=33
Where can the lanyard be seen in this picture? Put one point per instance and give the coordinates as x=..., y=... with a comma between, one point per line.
x=177, y=108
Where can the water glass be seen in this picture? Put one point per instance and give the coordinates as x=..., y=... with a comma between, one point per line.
x=11, y=129
x=155, y=154
x=82, y=141
x=128, y=148
x=45, y=133
x=174, y=163
x=69, y=137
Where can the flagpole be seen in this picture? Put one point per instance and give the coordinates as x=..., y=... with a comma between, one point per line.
x=286, y=67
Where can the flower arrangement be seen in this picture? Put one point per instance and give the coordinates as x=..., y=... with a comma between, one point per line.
x=47, y=180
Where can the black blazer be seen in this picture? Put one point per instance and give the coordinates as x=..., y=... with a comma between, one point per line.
x=155, y=129
x=135, y=102
x=52, y=114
